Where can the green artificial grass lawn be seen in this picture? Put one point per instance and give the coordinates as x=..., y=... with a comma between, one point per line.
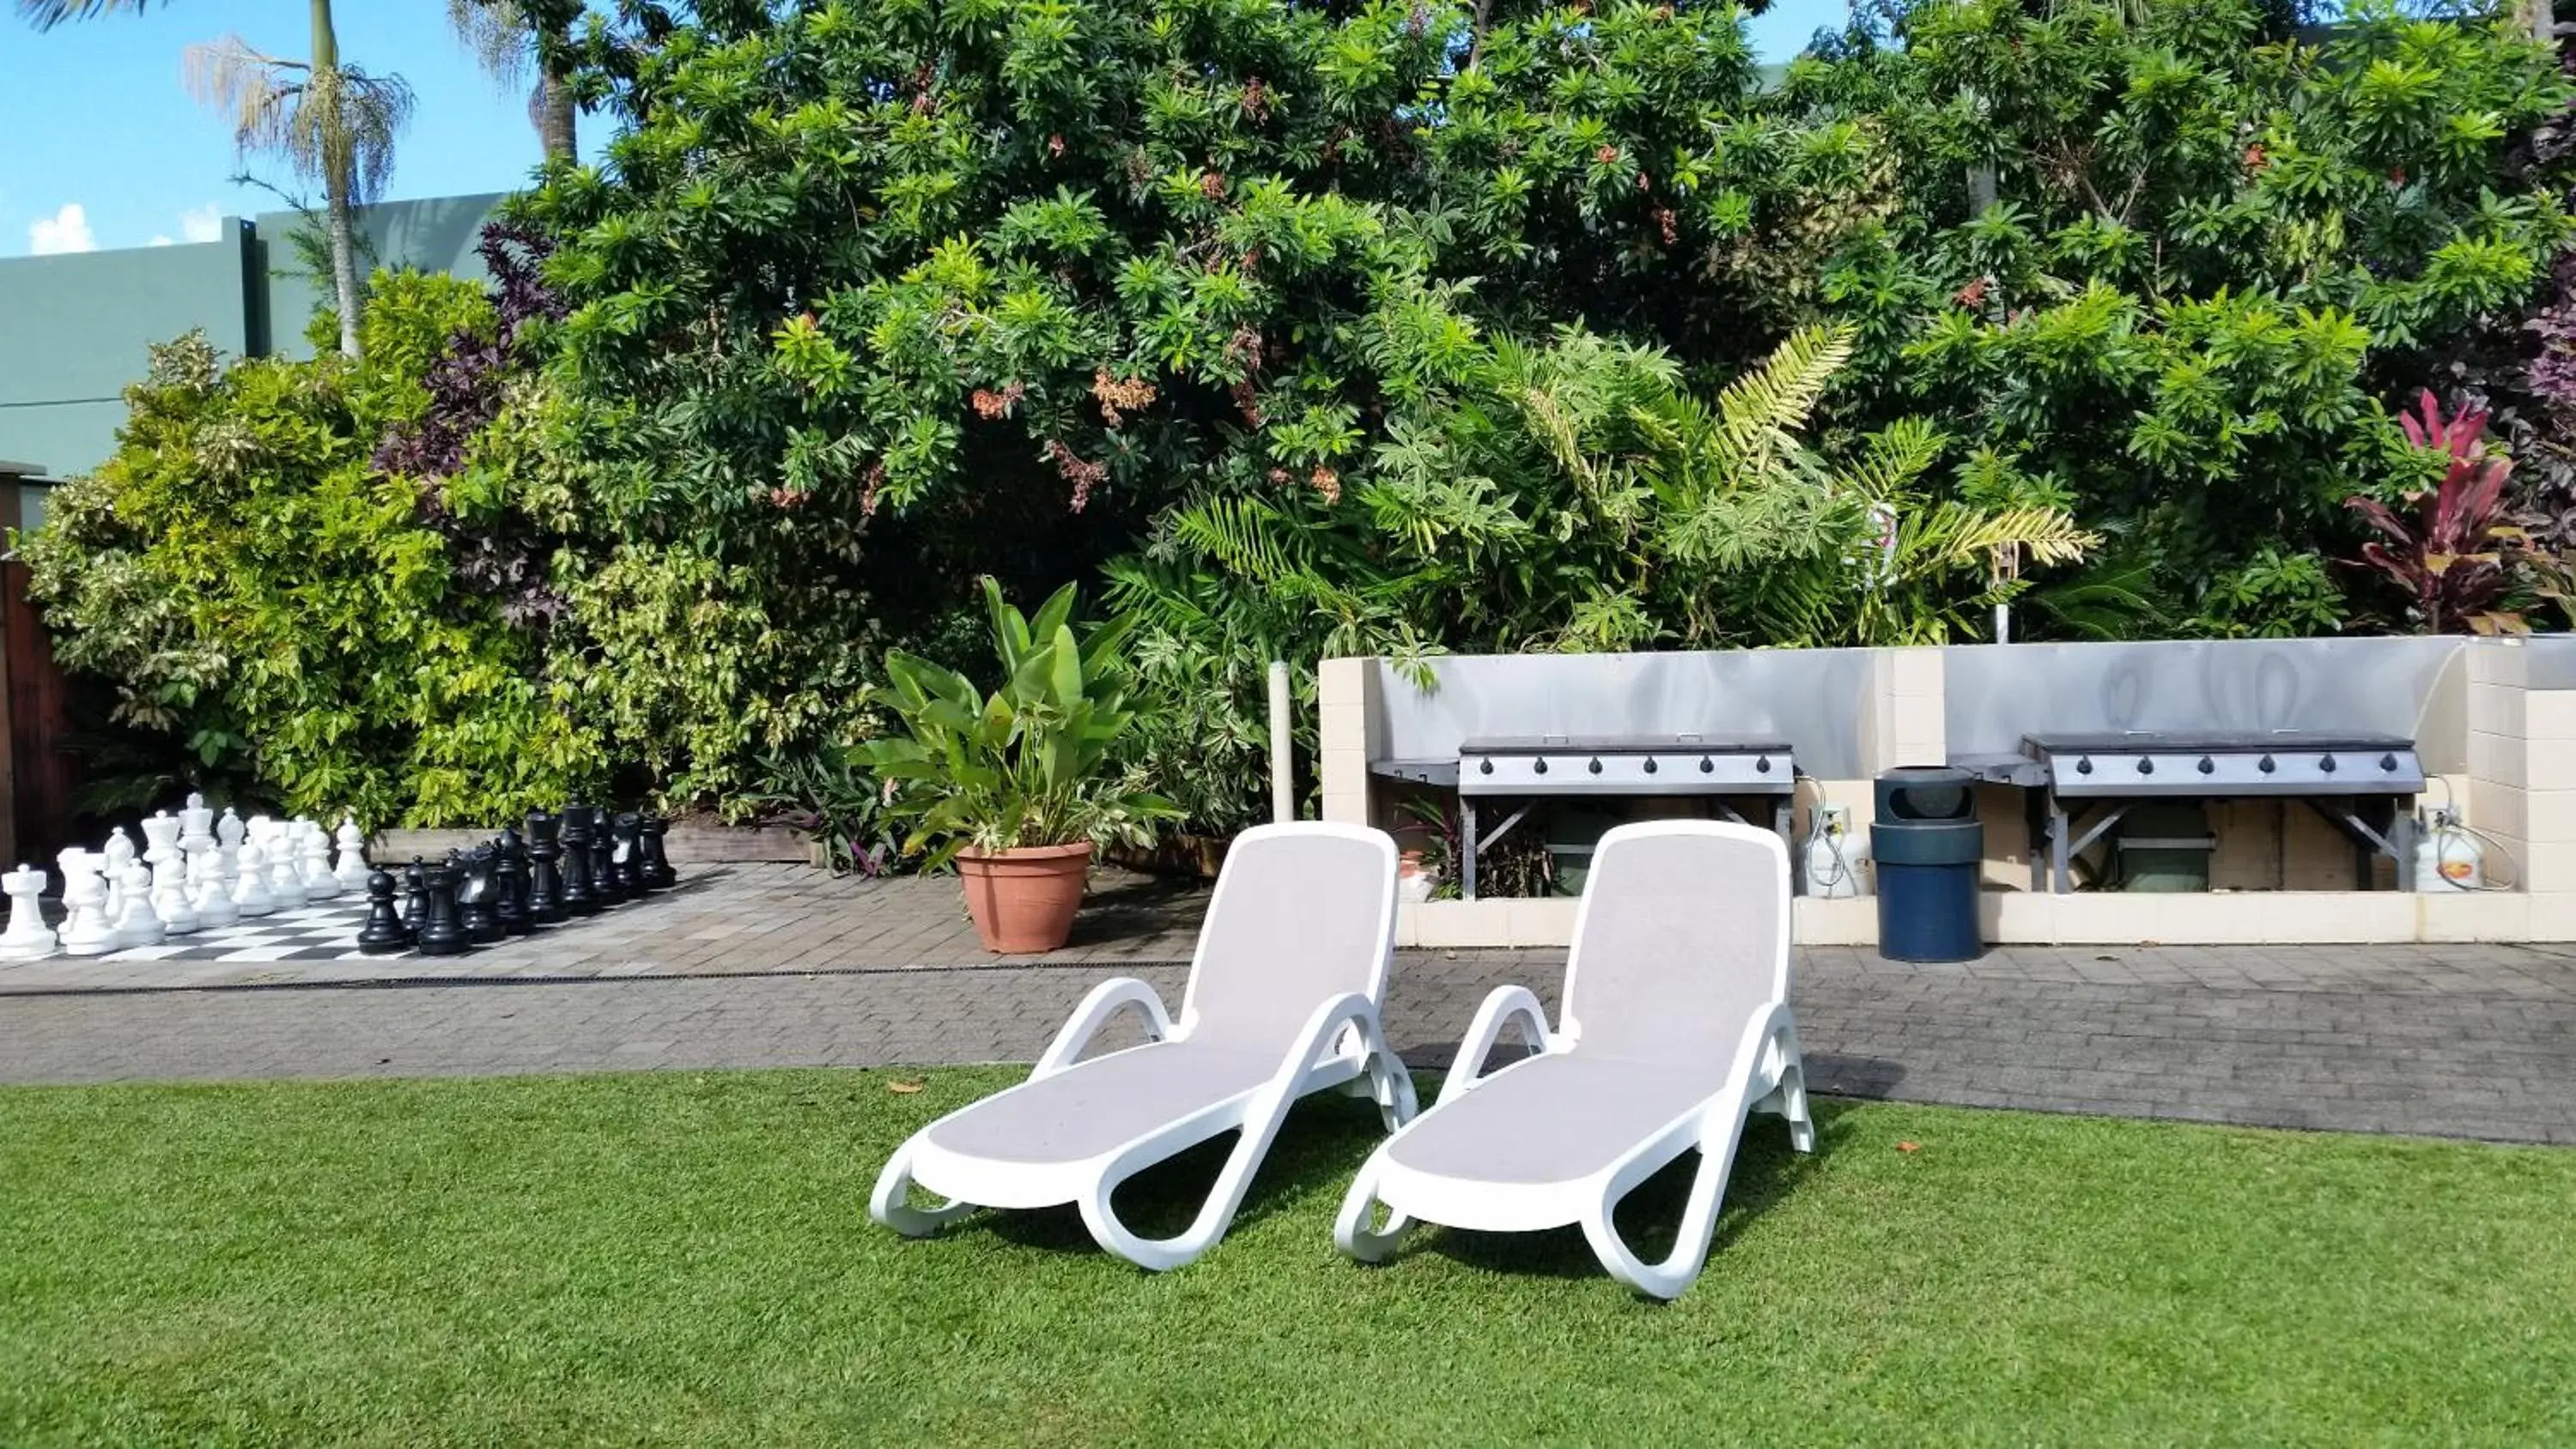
x=685, y=1259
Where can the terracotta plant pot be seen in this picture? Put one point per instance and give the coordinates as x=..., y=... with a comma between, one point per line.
x=1023, y=900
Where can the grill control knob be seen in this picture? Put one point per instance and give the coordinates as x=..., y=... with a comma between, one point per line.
x=2208, y=766
x=1650, y=764
x=1707, y=766
x=2146, y=765
x=1484, y=767
x=2388, y=762
x=2084, y=766
x=2265, y=764
x=1538, y=767
x=1763, y=765
x=2326, y=763
x=1595, y=766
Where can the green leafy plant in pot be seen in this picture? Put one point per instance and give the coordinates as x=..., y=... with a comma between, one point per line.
x=1017, y=787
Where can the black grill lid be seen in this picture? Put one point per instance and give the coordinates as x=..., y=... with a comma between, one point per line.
x=1621, y=745
x=2209, y=742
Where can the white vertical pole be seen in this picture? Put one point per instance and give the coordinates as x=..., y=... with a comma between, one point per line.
x=1283, y=799
x=2003, y=623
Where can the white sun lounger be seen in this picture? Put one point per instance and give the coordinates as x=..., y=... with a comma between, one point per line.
x=1282, y=1001
x=1676, y=1026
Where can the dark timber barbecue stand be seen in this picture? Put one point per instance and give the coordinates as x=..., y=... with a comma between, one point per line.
x=2363, y=784
x=1532, y=769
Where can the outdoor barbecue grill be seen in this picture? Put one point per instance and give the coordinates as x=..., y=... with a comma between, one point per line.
x=1532, y=769
x=2363, y=784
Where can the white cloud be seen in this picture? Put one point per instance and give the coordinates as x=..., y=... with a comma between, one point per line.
x=65, y=231
x=204, y=224
x=163, y=241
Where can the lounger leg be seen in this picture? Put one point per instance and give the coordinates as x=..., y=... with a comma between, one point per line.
x=1666, y=1280
x=1261, y=1122
x=1351, y=1231
x=1789, y=1098
x=891, y=1203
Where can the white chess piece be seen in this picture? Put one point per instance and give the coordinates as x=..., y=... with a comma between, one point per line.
x=196, y=823
x=250, y=892
x=352, y=868
x=86, y=928
x=170, y=897
x=28, y=937
x=313, y=860
x=140, y=925
x=160, y=843
x=285, y=882
x=208, y=894
x=229, y=833
x=115, y=856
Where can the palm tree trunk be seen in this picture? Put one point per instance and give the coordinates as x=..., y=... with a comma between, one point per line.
x=337, y=182
x=555, y=119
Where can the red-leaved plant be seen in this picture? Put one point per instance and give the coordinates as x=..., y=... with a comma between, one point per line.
x=2456, y=555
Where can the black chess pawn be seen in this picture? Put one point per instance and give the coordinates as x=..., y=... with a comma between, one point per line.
x=545, y=877
x=510, y=885
x=383, y=934
x=658, y=875
x=580, y=889
x=628, y=856
x=415, y=897
x=440, y=933
x=474, y=904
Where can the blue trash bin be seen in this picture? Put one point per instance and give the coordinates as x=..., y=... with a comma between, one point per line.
x=1929, y=849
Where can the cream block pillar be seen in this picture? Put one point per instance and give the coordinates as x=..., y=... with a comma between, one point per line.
x=1346, y=699
x=1903, y=717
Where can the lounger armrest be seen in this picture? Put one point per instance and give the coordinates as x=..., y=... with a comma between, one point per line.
x=1768, y=1048
x=1502, y=1006
x=1103, y=1003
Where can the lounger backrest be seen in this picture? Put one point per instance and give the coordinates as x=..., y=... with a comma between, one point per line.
x=1302, y=913
x=1683, y=934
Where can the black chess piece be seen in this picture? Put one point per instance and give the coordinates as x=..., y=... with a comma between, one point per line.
x=474, y=904
x=603, y=860
x=415, y=898
x=440, y=934
x=580, y=893
x=510, y=885
x=383, y=934
x=658, y=875
x=545, y=878
x=628, y=856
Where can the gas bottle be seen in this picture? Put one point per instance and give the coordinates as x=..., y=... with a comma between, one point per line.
x=1837, y=861
x=2448, y=858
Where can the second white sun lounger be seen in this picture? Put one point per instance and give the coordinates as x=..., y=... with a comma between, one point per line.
x=1676, y=1025
x=1282, y=1001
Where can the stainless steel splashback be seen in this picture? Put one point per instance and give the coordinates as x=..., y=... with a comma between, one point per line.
x=2416, y=687
x=1813, y=698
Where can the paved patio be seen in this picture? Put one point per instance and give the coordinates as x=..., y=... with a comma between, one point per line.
x=781, y=965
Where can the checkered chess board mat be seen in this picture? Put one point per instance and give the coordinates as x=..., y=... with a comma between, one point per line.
x=324, y=932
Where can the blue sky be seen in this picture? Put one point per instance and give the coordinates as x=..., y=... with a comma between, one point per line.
x=105, y=150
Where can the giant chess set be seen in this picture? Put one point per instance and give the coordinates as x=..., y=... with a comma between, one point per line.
x=228, y=889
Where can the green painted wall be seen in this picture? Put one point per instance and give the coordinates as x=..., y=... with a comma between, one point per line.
x=73, y=329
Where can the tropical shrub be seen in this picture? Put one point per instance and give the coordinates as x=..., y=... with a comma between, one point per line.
x=1036, y=762
x=2212, y=251
x=253, y=587
x=2465, y=553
